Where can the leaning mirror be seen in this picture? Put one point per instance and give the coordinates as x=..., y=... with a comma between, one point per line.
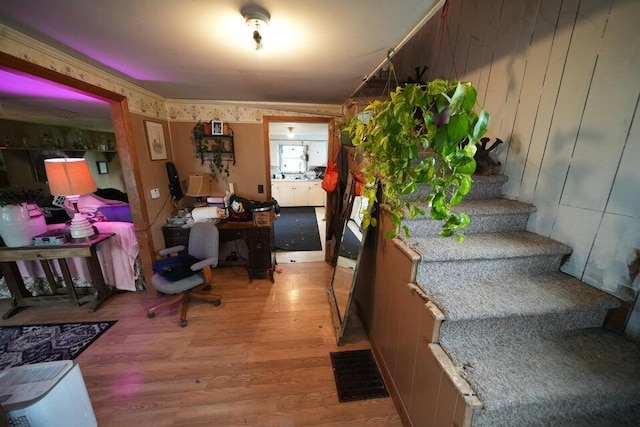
x=346, y=258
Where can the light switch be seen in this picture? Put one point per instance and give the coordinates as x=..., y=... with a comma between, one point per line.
x=155, y=193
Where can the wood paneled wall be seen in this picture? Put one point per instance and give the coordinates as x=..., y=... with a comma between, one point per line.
x=561, y=81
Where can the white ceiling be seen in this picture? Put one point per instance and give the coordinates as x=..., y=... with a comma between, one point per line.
x=315, y=51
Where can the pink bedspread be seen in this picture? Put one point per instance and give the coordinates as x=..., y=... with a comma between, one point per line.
x=117, y=257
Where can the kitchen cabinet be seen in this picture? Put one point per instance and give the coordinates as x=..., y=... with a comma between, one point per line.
x=298, y=193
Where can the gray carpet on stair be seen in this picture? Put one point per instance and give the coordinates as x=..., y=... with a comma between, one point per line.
x=487, y=216
x=528, y=338
x=534, y=380
x=485, y=257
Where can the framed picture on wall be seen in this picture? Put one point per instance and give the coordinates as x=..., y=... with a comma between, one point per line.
x=103, y=167
x=216, y=127
x=155, y=138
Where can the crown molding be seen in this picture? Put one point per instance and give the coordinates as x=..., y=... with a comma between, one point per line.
x=140, y=100
x=144, y=102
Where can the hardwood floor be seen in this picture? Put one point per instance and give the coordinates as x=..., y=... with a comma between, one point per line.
x=259, y=359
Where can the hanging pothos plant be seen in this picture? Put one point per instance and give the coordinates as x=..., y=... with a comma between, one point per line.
x=209, y=149
x=423, y=134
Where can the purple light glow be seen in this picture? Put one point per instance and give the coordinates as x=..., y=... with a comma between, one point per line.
x=33, y=87
x=128, y=386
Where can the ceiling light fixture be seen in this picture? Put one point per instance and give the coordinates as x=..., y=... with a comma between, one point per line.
x=257, y=19
x=290, y=135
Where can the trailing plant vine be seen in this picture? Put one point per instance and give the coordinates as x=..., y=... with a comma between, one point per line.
x=422, y=134
x=209, y=149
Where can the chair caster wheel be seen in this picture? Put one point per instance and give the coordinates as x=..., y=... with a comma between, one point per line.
x=151, y=315
x=217, y=302
x=183, y=322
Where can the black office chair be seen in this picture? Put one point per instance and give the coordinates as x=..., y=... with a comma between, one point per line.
x=188, y=276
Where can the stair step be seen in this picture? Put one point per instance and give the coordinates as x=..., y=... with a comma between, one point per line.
x=484, y=187
x=518, y=307
x=484, y=257
x=487, y=216
x=554, y=380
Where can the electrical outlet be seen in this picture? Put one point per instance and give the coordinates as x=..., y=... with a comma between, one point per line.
x=155, y=193
x=260, y=188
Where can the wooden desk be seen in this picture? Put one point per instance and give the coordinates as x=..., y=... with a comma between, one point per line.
x=23, y=298
x=257, y=239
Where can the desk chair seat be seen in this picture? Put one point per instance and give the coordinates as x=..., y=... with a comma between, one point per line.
x=203, y=246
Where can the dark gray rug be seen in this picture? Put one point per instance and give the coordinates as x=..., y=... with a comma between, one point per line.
x=21, y=345
x=296, y=229
x=350, y=245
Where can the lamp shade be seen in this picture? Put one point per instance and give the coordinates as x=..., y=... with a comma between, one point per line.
x=69, y=177
x=198, y=186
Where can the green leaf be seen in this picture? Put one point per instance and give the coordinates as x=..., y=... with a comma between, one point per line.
x=480, y=128
x=465, y=185
x=457, y=99
x=456, y=200
x=458, y=128
x=446, y=233
x=470, y=98
x=467, y=166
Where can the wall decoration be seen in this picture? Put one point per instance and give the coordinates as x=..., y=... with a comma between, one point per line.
x=155, y=137
x=103, y=167
x=216, y=127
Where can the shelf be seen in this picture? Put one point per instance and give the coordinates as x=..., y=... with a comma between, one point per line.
x=34, y=152
x=214, y=142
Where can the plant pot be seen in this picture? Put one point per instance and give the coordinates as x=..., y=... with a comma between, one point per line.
x=18, y=227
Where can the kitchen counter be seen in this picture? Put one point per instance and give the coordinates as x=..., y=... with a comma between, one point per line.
x=298, y=192
x=296, y=180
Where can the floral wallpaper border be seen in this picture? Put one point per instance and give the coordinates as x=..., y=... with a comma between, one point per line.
x=142, y=101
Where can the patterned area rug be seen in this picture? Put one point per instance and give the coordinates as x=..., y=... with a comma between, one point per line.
x=21, y=345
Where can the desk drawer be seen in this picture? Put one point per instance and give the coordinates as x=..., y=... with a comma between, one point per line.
x=260, y=261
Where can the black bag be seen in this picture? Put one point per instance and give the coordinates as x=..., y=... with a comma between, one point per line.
x=249, y=205
x=175, y=268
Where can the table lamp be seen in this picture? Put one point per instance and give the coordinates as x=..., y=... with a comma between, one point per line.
x=72, y=178
x=199, y=187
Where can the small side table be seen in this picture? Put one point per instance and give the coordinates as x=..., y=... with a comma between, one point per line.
x=23, y=298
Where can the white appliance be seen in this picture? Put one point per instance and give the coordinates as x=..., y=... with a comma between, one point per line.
x=47, y=394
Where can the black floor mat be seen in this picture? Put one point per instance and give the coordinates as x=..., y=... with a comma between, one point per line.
x=357, y=376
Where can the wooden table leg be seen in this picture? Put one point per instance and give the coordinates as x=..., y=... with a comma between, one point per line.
x=46, y=267
x=68, y=281
x=102, y=291
x=16, y=286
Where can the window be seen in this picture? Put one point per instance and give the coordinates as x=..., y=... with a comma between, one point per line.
x=292, y=159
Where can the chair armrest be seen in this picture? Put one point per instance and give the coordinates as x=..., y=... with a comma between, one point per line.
x=205, y=262
x=171, y=250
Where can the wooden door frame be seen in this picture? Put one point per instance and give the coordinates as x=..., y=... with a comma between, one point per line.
x=125, y=145
x=266, y=120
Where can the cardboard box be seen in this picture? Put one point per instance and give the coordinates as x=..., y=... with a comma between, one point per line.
x=263, y=218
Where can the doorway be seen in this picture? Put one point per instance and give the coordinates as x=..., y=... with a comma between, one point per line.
x=297, y=150
x=125, y=144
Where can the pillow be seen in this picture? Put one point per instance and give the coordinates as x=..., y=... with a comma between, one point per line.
x=175, y=268
x=121, y=213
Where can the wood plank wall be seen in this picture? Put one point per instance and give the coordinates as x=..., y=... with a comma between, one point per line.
x=561, y=80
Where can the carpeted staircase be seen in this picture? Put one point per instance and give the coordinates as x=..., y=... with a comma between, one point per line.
x=527, y=338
